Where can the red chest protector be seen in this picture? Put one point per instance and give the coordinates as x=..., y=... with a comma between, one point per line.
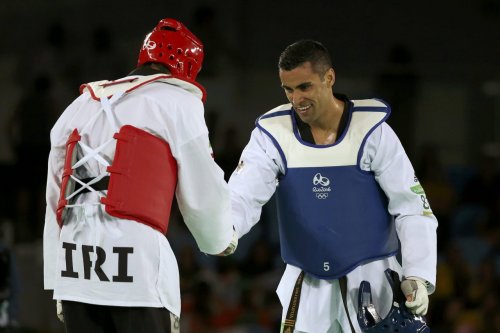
x=143, y=178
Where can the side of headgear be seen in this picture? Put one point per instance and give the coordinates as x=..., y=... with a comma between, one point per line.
x=172, y=44
x=398, y=320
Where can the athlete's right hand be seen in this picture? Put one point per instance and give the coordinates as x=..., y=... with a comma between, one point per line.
x=231, y=247
x=59, y=311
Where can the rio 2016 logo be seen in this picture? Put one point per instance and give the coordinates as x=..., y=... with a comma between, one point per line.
x=321, y=191
x=148, y=44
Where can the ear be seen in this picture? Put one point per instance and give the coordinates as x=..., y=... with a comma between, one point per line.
x=330, y=77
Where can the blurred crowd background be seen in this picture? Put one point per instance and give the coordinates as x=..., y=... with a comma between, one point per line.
x=437, y=63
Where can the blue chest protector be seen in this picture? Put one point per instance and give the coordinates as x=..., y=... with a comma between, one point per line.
x=332, y=215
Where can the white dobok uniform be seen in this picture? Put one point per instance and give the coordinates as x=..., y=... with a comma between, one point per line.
x=121, y=262
x=321, y=308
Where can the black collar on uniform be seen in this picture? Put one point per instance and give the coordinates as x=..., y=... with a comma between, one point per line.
x=305, y=129
x=145, y=70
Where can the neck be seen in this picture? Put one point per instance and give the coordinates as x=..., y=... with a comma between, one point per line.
x=325, y=131
x=331, y=118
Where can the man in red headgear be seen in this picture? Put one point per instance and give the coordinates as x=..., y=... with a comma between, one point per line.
x=119, y=154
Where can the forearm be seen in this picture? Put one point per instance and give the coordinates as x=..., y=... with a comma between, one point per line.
x=253, y=182
x=418, y=248
x=51, y=228
x=203, y=197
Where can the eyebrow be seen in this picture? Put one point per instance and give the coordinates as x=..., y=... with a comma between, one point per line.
x=300, y=86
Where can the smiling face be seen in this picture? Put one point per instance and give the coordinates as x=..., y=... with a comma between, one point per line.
x=309, y=92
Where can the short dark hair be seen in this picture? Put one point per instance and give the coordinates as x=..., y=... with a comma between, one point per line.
x=306, y=50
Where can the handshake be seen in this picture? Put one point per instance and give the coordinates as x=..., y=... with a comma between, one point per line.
x=231, y=247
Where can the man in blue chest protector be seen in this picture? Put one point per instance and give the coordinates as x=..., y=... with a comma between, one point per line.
x=348, y=201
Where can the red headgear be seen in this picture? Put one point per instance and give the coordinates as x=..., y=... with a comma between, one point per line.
x=172, y=44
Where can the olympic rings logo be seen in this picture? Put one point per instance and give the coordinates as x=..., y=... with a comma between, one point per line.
x=321, y=195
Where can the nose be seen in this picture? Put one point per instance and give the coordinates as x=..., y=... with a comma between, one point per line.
x=296, y=97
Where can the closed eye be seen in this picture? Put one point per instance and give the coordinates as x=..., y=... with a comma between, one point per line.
x=304, y=86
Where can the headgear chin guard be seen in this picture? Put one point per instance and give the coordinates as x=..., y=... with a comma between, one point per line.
x=399, y=319
x=173, y=45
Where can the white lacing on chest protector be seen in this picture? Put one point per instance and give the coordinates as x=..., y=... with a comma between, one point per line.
x=94, y=153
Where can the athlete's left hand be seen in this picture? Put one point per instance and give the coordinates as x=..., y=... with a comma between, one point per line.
x=417, y=298
x=59, y=311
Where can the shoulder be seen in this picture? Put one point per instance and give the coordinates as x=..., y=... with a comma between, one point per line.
x=166, y=95
x=370, y=103
x=382, y=136
x=274, y=115
x=281, y=110
x=140, y=85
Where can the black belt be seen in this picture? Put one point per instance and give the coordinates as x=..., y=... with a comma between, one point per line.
x=293, y=307
x=101, y=185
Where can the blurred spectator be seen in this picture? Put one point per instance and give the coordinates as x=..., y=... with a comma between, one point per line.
x=212, y=120
x=29, y=127
x=229, y=154
x=439, y=191
x=448, y=302
x=484, y=187
x=476, y=222
x=59, y=59
x=258, y=261
x=197, y=313
x=9, y=289
x=220, y=56
x=398, y=83
x=227, y=289
x=107, y=62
